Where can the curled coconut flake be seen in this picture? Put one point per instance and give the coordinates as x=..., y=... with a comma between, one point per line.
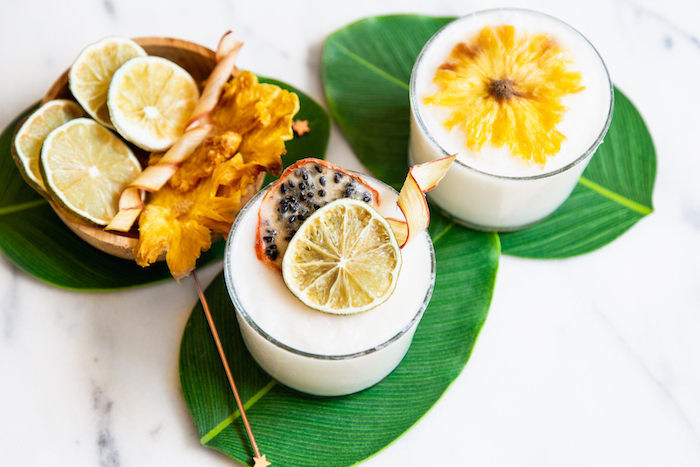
x=198, y=129
x=421, y=178
x=228, y=51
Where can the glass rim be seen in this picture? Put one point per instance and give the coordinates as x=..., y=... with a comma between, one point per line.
x=240, y=310
x=421, y=124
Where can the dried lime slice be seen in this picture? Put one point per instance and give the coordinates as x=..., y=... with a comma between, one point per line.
x=150, y=102
x=344, y=259
x=85, y=167
x=92, y=71
x=26, y=148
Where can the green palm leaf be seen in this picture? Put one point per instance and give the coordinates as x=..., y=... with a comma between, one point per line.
x=35, y=240
x=294, y=429
x=611, y=196
x=366, y=68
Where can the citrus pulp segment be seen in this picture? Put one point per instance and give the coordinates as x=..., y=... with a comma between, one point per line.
x=344, y=259
x=91, y=73
x=85, y=167
x=26, y=148
x=150, y=101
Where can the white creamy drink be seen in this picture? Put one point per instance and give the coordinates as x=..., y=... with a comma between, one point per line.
x=321, y=353
x=490, y=186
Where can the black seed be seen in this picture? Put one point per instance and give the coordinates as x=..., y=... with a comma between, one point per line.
x=272, y=247
x=366, y=199
x=337, y=177
x=292, y=199
x=268, y=239
x=302, y=186
x=322, y=181
x=272, y=254
x=302, y=218
x=284, y=208
x=305, y=176
x=318, y=168
x=321, y=193
x=292, y=219
x=291, y=183
x=310, y=195
x=317, y=207
x=302, y=197
x=295, y=208
x=288, y=237
x=283, y=188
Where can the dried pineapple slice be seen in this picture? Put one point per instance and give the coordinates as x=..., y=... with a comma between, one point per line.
x=252, y=122
x=506, y=90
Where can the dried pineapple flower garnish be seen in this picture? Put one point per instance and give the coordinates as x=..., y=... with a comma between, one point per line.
x=252, y=121
x=507, y=90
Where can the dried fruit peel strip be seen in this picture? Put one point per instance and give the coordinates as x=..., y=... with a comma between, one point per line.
x=226, y=55
x=154, y=177
x=421, y=178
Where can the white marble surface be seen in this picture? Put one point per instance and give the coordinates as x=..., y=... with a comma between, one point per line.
x=588, y=361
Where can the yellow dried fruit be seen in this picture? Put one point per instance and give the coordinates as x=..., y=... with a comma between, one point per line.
x=506, y=90
x=252, y=122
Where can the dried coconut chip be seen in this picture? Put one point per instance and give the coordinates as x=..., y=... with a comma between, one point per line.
x=421, y=178
x=198, y=129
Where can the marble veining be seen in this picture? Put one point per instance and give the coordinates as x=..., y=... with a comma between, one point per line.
x=660, y=383
x=644, y=12
x=589, y=361
x=106, y=443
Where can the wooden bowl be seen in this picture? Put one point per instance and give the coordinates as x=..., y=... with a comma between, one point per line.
x=199, y=62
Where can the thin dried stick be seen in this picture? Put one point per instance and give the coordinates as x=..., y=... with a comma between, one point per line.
x=214, y=333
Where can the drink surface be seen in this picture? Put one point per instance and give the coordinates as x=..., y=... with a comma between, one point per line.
x=588, y=110
x=267, y=301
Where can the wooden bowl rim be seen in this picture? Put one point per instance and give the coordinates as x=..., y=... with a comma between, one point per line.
x=117, y=243
x=145, y=42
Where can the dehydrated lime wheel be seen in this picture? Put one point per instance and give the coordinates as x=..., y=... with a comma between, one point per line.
x=85, y=167
x=91, y=73
x=150, y=101
x=344, y=259
x=26, y=147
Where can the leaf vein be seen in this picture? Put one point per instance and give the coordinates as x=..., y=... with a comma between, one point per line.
x=626, y=202
x=22, y=206
x=372, y=67
x=230, y=419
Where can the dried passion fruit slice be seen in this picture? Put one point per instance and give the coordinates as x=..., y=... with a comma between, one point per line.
x=343, y=260
x=302, y=189
x=26, y=147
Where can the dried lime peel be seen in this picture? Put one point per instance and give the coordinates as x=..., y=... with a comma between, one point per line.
x=198, y=129
x=421, y=178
